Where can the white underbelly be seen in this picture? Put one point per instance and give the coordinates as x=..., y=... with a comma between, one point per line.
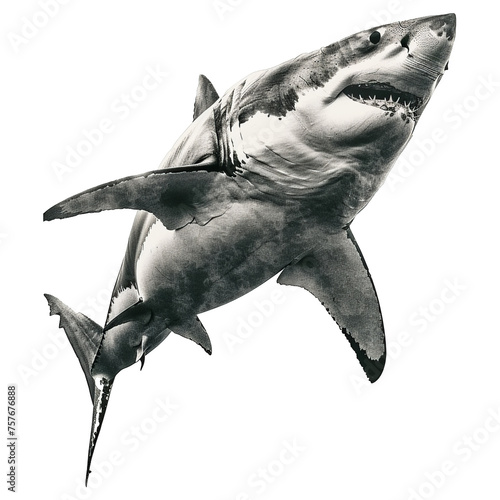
x=197, y=268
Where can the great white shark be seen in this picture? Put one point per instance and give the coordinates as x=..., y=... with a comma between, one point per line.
x=267, y=179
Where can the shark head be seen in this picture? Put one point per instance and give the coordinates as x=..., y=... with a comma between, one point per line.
x=384, y=78
x=395, y=68
x=349, y=108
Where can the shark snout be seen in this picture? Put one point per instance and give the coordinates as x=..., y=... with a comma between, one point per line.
x=431, y=39
x=444, y=26
x=429, y=42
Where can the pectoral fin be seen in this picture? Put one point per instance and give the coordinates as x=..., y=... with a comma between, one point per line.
x=337, y=275
x=176, y=197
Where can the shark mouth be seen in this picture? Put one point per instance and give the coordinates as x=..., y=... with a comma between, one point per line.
x=385, y=97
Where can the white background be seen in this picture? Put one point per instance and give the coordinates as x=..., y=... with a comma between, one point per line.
x=294, y=377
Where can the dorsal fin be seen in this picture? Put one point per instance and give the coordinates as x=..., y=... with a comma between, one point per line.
x=206, y=95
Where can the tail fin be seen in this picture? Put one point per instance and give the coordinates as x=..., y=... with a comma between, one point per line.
x=84, y=335
x=103, y=388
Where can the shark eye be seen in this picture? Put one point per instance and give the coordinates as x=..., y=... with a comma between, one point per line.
x=375, y=37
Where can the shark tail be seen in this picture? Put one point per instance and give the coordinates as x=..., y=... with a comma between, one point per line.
x=102, y=392
x=83, y=334
x=85, y=337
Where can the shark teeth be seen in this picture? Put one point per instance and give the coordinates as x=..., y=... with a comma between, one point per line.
x=386, y=97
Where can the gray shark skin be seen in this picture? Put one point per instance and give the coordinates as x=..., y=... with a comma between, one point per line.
x=267, y=179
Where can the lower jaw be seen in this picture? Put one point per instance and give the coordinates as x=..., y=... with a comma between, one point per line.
x=389, y=108
x=405, y=114
x=390, y=100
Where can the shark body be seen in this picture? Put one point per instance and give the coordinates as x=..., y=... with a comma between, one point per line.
x=267, y=178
